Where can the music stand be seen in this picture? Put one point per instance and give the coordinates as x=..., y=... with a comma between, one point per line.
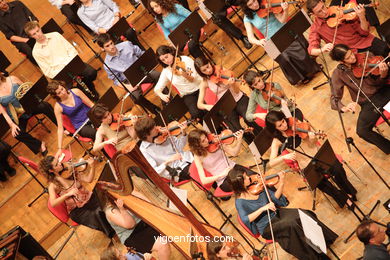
x=384, y=30
x=118, y=29
x=48, y=27
x=70, y=71
x=35, y=95
x=187, y=31
x=220, y=111
x=175, y=110
x=110, y=99
x=4, y=63
x=139, y=70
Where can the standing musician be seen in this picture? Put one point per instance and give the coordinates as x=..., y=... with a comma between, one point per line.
x=218, y=80
x=209, y=156
x=217, y=250
x=82, y=205
x=75, y=105
x=17, y=121
x=295, y=62
x=164, y=153
x=285, y=222
x=375, y=87
x=53, y=52
x=356, y=33
x=269, y=99
x=181, y=73
x=119, y=57
x=281, y=128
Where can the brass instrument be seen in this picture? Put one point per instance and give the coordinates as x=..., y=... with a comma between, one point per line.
x=20, y=92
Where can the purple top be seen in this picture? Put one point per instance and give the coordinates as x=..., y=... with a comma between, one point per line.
x=78, y=113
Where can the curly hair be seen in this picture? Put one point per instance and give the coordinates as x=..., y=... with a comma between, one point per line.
x=53, y=86
x=167, y=5
x=46, y=167
x=200, y=62
x=194, y=142
x=247, y=11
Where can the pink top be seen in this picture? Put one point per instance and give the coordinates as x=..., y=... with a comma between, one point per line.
x=220, y=89
x=215, y=164
x=79, y=200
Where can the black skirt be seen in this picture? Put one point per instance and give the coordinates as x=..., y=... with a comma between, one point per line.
x=288, y=232
x=143, y=238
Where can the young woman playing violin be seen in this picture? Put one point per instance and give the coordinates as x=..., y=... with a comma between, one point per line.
x=281, y=127
x=286, y=224
x=180, y=72
x=218, y=80
x=209, y=156
x=295, y=62
x=374, y=85
x=269, y=99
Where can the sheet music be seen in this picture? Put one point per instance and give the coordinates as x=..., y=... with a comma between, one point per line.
x=387, y=107
x=271, y=49
x=252, y=146
x=313, y=232
x=182, y=194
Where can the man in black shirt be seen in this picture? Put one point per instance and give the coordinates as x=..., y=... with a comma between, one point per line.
x=373, y=236
x=13, y=17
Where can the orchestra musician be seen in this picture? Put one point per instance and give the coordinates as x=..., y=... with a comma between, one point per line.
x=169, y=16
x=217, y=250
x=373, y=236
x=281, y=128
x=82, y=205
x=75, y=105
x=296, y=64
x=53, y=52
x=215, y=80
x=376, y=87
x=160, y=155
x=119, y=57
x=356, y=33
x=17, y=121
x=183, y=76
x=286, y=224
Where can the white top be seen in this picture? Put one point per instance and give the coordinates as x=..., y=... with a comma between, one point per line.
x=184, y=86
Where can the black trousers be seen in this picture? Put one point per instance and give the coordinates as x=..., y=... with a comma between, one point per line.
x=368, y=117
x=378, y=47
x=88, y=131
x=191, y=101
x=31, y=142
x=225, y=24
x=25, y=49
x=88, y=75
x=5, y=150
x=131, y=36
x=70, y=12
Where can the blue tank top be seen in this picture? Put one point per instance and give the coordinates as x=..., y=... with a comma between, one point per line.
x=78, y=113
x=11, y=99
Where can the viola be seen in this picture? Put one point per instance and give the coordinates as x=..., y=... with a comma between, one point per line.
x=222, y=75
x=256, y=186
x=225, y=137
x=276, y=95
x=127, y=120
x=372, y=62
x=173, y=128
x=337, y=14
x=273, y=6
x=302, y=129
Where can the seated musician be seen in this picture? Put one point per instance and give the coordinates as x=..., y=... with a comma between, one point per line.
x=286, y=224
x=112, y=253
x=5, y=150
x=101, y=15
x=260, y=96
x=17, y=121
x=161, y=154
x=213, y=81
x=215, y=161
x=296, y=64
x=356, y=33
x=53, y=52
x=133, y=232
x=373, y=236
x=81, y=204
x=117, y=138
x=75, y=105
x=119, y=57
x=184, y=78
x=281, y=128
x=217, y=250
x=375, y=87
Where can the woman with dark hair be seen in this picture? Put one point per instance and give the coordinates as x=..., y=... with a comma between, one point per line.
x=75, y=105
x=259, y=92
x=213, y=81
x=185, y=79
x=286, y=223
x=15, y=116
x=169, y=16
x=295, y=62
x=81, y=204
x=217, y=250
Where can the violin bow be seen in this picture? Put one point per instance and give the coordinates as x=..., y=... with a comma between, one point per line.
x=361, y=79
x=337, y=22
x=173, y=70
x=270, y=88
x=220, y=143
x=72, y=169
x=376, y=66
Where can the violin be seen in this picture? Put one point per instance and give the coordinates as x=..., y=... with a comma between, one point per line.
x=276, y=95
x=373, y=61
x=173, y=128
x=235, y=251
x=302, y=129
x=225, y=137
x=180, y=68
x=256, y=186
x=222, y=75
x=337, y=14
x=81, y=166
x=273, y=6
x=126, y=120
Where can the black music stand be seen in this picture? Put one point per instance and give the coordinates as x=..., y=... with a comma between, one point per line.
x=118, y=29
x=384, y=30
x=140, y=69
x=220, y=111
x=110, y=99
x=263, y=141
x=175, y=110
x=71, y=70
x=188, y=30
x=4, y=64
x=48, y=27
x=35, y=95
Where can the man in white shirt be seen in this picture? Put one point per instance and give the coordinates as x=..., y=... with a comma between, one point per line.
x=53, y=52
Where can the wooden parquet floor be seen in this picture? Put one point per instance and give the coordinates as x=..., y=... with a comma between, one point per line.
x=22, y=189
